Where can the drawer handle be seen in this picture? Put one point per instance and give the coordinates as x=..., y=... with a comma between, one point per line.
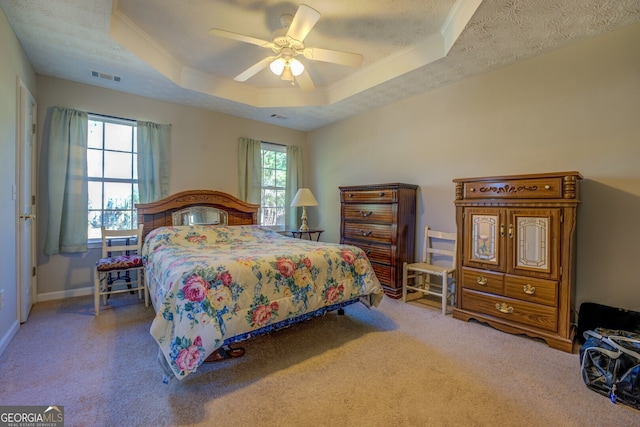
x=528, y=289
x=482, y=280
x=504, y=308
x=366, y=234
x=367, y=252
x=365, y=214
x=350, y=194
x=547, y=187
x=381, y=194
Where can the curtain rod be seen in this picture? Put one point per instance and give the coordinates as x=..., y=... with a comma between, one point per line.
x=274, y=143
x=110, y=117
x=115, y=117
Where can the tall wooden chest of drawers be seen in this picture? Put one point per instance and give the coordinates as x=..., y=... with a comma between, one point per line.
x=516, y=254
x=380, y=219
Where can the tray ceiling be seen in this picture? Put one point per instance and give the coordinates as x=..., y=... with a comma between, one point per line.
x=162, y=48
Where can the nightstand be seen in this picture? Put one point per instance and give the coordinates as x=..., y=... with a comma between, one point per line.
x=298, y=234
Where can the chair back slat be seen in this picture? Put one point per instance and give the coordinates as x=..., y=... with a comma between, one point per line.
x=430, y=253
x=121, y=241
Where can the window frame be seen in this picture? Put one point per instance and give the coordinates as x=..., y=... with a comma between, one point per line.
x=269, y=146
x=133, y=181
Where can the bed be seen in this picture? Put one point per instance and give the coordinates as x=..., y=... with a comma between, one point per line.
x=219, y=279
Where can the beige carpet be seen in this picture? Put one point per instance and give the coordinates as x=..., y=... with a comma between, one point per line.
x=395, y=365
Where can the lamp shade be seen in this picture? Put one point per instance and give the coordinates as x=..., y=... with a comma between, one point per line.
x=304, y=197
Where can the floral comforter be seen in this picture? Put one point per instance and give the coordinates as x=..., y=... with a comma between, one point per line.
x=214, y=285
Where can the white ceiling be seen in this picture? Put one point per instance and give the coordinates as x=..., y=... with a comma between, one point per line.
x=162, y=48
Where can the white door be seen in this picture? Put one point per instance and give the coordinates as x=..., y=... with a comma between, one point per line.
x=26, y=201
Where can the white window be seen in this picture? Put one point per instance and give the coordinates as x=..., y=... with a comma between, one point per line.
x=112, y=174
x=274, y=181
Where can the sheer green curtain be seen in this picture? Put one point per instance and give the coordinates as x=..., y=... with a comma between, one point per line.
x=154, y=149
x=249, y=170
x=294, y=181
x=68, y=194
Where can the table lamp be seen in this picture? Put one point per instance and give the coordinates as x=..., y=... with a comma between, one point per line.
x=304, y=198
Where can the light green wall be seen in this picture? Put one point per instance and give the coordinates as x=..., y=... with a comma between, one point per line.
x=576, y=108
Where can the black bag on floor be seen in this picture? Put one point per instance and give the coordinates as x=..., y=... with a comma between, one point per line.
x=610, y=364
x=593, y=315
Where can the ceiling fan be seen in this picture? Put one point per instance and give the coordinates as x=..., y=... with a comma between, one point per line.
x=287, y=43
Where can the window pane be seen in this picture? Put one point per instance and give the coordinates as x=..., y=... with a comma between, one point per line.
x=117, y=220
x=95, y=195
x=269, y=198
x=268, y=178
x=94, y=163
x=279, y=216
x=281, y=178
x=117, y=137
x=281, y=161
x=117, y=165
x=268, y=159
x=95, y=134
x=117, y=195
x=269, y=216
x=95, y=222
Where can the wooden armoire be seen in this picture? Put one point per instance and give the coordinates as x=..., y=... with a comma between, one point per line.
x=516, y=253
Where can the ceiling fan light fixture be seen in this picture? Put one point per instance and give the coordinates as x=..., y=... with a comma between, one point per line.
x=277, y=66
x=296, y=66
x=286, y=73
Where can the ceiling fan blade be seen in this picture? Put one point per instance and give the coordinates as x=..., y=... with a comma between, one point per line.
x=304, y=82
x=303, y=21
x=254, y=69
x=334, y=56
x=240, y=37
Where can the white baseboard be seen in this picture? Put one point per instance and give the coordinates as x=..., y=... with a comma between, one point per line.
x=50, y=296
x=6, y=339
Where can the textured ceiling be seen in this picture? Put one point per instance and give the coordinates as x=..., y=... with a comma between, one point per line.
x=161, y=48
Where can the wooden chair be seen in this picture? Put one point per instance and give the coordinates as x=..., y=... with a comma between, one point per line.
x=436, y=261
x=121, y=255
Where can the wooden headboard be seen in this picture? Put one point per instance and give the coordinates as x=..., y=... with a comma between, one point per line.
x=159, y=213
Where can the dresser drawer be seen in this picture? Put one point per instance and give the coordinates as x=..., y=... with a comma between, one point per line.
x=375, y=253
x=368, y=212
x=538, y=188
x=483, y=280
x=368, y=196
x=532, y=290
x=383, y=273
x=526, y=313
x=367, y=232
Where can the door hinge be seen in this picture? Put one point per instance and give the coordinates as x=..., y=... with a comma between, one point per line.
x=33, y=272
x=560, y=271
x=561, y=218
x=33, y=128
x=33, y=199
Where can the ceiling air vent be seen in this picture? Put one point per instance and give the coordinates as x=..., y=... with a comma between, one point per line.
x=105, y=76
